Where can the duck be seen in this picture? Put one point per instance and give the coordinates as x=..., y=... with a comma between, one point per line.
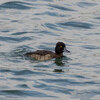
x=42, y=55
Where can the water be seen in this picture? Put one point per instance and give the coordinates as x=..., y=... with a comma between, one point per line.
x=28, y=25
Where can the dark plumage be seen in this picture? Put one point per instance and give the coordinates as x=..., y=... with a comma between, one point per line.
x=46, y=54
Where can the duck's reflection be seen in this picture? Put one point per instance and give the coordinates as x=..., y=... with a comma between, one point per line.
x=62, y=62
x=59, y=62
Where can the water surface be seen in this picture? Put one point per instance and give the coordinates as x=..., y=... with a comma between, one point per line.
x=28, y=25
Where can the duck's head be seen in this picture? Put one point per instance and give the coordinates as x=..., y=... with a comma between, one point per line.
x=60, y=48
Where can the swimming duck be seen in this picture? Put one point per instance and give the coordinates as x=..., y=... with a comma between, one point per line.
x=46, y=54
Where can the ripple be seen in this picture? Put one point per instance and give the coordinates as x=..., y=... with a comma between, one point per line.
x=76, y=24
x=13, y=92
x=59, y=81
x=80, y=76
x=20, y=79
x=27, y=72
x=20, y=51
x=97, y=33
x=13, y=39
x=46, y=32
x=22, y=86
x=91, y=47
x=65, y=82
x=23, y=93
x=14, y=5
x=97, y=18
x=86, y=4
x=52, y=26
x=23, y=72
x=5, y=70
x=51, y=14
x=56, y=89
x=60, y=7
x=19, y=33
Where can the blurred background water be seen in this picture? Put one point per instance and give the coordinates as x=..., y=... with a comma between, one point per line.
x=28, y=25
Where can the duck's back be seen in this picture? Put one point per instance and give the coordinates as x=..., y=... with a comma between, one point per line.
x=41, y=55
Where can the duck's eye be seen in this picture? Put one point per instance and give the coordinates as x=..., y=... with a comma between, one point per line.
x=61, y=46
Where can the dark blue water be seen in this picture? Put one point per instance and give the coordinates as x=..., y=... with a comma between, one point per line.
x=28, y=25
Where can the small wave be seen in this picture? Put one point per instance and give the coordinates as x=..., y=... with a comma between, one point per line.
x=91, y=47
x=97, y=18
x=19, y=33
x=47, y=32
x=23, y=93
x=50, y=14
x=22, y=85
x=15, y=5
x=23, y=72
x=52, y=26
x=86, y=4
x=76, y=24
x=10, y=39
x=60, y=7
x=54, y=88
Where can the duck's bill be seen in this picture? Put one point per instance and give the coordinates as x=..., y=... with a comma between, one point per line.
x=66, y=50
